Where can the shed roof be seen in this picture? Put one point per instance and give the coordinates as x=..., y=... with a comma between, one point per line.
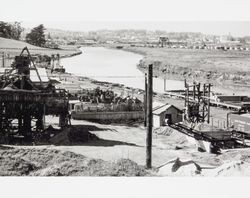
x=163, y=108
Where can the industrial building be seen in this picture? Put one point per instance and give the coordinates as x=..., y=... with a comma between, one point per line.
x=166, y=114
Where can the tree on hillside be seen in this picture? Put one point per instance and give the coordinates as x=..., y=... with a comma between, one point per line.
x=36, y=36
x=10, y=30
x=5, y=30
x=16, y=30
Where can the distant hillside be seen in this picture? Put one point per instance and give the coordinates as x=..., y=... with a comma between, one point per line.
x=14, y=47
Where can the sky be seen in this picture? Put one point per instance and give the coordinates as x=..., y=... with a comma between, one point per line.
x=206, y=16
x=235, y=28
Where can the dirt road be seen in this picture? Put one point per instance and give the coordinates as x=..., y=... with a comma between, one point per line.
x=120, y=141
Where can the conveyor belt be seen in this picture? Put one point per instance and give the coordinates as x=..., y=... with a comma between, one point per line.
x=207, y=136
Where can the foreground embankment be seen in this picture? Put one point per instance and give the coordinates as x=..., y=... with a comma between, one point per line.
x=52, y=162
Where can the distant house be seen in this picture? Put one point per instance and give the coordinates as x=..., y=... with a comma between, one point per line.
x=166, y=114
x=88, y=42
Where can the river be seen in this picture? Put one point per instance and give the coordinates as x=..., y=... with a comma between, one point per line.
x=116, y=66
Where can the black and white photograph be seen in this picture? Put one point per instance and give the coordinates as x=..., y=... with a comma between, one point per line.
x=124, y=89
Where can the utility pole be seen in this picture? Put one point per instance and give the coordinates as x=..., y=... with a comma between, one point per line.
x=149, y=117
x=145, y=101
x=165, y=84
x=3, y=56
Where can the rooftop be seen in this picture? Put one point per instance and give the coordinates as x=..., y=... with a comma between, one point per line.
x=160, y=109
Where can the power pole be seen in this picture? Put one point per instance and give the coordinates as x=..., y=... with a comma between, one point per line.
x=3, y=56
x=149, y=117
x=145, y=101
x=165, y=85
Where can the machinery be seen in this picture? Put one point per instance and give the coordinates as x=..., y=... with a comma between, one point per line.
x=24, y=103
x=55, y=63
x=197, y=103
x=197, y=110
x=163, y=41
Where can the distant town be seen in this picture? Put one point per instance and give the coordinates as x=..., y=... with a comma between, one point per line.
x=56, y=37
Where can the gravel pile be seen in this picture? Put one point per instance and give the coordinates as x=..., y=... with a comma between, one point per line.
x=48, y=162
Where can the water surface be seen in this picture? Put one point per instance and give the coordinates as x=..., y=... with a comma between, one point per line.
x=116, y=66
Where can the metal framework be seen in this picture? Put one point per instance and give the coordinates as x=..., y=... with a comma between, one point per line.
x=197, y=103
x=163, y=41
x=23, y=104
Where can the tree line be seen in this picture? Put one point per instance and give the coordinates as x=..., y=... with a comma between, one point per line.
x=11, y=30
x=14, y=30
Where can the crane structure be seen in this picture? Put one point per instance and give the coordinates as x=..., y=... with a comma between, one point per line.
x=163, y=41
x=24, y=103
x=197, y=103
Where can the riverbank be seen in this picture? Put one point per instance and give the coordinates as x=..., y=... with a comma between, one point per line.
x=228, y=71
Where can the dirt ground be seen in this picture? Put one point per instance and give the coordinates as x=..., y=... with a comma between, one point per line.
x=117, y=145
x=172, y=154
x=52, y=162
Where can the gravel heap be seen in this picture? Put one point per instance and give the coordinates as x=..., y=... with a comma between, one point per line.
x=51, y=162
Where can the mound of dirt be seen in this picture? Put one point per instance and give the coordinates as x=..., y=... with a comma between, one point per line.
x=73, y=135
x=177, y=167
x=49, y=162
x=175, y=139
x=126, y=167
x=15, y=166
x=171, y=133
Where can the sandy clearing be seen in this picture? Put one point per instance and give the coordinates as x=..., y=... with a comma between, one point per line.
x=127, y=142
x=121, y=141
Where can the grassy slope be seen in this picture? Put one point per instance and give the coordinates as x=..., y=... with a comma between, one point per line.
x=14, y=47
x=208, y=60
x=9, y=43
